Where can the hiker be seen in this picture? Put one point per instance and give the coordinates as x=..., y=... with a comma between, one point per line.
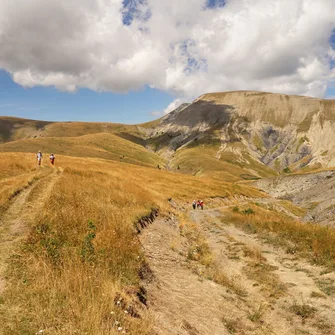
x=39, y=157
x=198, y=204
x=201, y=204
x=194, y=204
x=52, y=159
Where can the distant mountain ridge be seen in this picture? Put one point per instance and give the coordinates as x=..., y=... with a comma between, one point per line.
x=280, y=131
x=234, y=135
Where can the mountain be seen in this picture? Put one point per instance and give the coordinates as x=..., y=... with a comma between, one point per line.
x=256, y=131
x=89, y=241
x=229, y=136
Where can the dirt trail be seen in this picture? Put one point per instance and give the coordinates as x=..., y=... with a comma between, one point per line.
x=284, y=295
x=181, y=302
x=14, y=222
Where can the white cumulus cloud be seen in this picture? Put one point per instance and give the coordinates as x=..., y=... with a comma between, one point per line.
x=178, y=46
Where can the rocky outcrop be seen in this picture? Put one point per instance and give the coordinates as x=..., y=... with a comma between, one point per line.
x=313, y=191
x=278, y=130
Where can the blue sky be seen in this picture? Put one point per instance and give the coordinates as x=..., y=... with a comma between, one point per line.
x=50, y=104
x=88, y=60
x=47, y=103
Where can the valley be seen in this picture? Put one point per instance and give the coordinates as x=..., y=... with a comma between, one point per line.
x=106, y=241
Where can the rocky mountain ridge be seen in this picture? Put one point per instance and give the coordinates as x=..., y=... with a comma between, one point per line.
x=280, y=131
x=256, y=133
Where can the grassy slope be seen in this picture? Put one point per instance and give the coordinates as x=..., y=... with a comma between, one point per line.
x=70, y=272
x=12, y=129
x=102, y=145
x=200, y=158
x=17, y=171
x=311, y=241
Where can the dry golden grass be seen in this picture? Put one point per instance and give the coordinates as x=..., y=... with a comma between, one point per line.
x=82, y=252
x=12, y=128
x=200, y=159
x=102, y=145
x=17, y=171
x=313, y=241
x=298, y=211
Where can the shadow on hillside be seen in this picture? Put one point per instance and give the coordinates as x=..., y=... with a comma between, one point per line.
x=8, y=125
x=197, y=120
x=199, y=113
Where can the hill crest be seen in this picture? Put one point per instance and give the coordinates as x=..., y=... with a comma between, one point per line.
x=257, y=132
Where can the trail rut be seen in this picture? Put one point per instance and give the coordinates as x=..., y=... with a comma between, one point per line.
x=14, y=222
x=284, y=295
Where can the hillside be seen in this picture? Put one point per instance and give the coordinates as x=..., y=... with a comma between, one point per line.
x=228, y=136
x=107, y=242
x=13, y=129
x=101, y=247
x=312, y=191
x=100, y=145
x=251, y=130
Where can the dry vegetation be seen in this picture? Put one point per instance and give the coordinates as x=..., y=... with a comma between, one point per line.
x=200, y=251
x=201, y=159
x=103, y=145
x=78, y=271
x=17, y=171
x=82, y=254
x=308, y=240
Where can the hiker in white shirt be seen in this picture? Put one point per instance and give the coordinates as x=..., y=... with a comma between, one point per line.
x=39, y=157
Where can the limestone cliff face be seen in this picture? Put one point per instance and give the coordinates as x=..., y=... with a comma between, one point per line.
x=279, y=130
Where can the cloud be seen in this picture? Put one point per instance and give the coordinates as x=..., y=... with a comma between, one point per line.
x=186, y=48
x=173, y=105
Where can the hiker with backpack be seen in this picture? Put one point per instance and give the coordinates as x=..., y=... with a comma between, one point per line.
x=194, y=204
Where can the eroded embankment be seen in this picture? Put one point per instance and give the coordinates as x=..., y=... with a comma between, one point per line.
x=209, y=277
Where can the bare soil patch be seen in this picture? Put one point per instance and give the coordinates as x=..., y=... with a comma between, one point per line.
x=284, y=294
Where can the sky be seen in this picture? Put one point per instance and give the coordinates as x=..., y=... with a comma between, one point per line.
x=131, y=61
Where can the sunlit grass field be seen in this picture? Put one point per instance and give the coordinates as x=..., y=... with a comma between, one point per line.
x=311, y=241
x=103, y=145
x=82, y=253
x=17, y=171
x=78, y=270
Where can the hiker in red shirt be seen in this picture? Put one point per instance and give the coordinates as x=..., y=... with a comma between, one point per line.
x=201, y=204
x=52, y=159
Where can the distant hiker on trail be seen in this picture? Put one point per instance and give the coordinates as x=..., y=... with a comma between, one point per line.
x=194, y=204
x=52, y=159
x=201, y=204
x=198, y=204
x=39, y=157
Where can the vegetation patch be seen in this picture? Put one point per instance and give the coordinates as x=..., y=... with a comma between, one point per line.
x=312, y=241
x=257, y=314
x=200, y=252
x=327, y=286
x=304, y=310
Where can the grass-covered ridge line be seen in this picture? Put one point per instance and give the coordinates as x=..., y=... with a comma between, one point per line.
x=103, y=145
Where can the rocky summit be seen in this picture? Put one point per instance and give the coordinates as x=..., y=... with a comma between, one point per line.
x=280, y=131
